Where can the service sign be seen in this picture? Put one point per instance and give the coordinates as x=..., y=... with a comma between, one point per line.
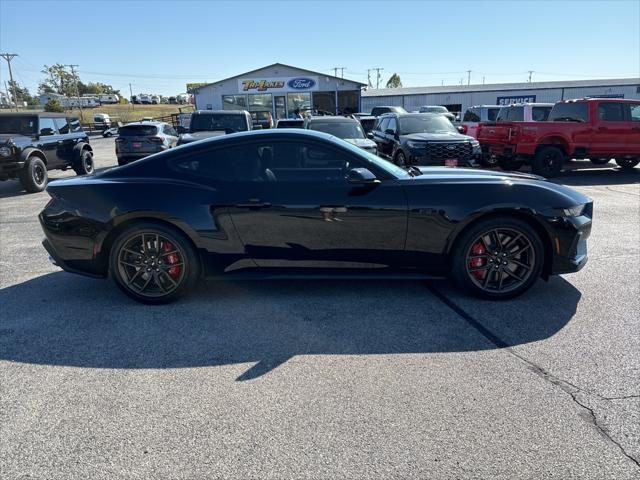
x=516, y=99
x=290, y=84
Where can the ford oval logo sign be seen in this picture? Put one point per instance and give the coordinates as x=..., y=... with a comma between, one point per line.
x=301, y=83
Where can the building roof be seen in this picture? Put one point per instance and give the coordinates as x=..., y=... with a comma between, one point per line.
x=277, y=65
x=383, y=92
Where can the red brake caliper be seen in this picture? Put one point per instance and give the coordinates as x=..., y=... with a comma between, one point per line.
x=478, y=249
x=171, y=259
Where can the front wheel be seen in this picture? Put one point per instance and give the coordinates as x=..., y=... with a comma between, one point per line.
x=400, y=160
x=33, y=176
x=153, y=263
x=498, y=258
x=548, y=162
x=627, y=163
x=84, y=164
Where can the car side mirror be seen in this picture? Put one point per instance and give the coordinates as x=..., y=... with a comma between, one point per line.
x=370, y=135
x=361, y=176
x=390, y=131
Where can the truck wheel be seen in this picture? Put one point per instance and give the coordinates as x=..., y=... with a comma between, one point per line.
x=548, y=162
x=627, y=163
x=510, y=164
x=84, y=164
x=599, y=161
x=33, y=176
x=488, y=161
x=400, y=159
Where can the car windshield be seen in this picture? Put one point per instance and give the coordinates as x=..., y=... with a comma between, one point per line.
x=377, y=161
x=425, y=124
x=137, y=130
x=339, y=129
x=18, y=124
x=221, y=121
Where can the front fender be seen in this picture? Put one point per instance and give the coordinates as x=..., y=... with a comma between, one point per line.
x=27, y=152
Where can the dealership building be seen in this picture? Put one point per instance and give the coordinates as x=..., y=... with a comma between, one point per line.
x=281, y=90
x=460, y=97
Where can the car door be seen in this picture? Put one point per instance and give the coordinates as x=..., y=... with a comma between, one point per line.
x=391, y=136
x=66, y=141
x=612, y=129
x=633, y=139
x=48, y=139
x=380, y=138
x=295, y=208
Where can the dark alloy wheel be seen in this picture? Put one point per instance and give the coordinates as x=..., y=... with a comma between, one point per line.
x=489, y=161
x=548, y=162
x=84, y=164
x=401, y=160
x=153, y=264
x=498, y=259
x=34, y=176
x=627, y=163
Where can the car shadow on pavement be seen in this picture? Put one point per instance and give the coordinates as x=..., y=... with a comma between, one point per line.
x=13, y=188
x=599, y=176
x=66, y=320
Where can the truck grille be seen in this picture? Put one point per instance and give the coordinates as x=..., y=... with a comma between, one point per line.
x=444, y=151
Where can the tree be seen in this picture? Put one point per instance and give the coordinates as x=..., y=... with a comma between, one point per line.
x=53, y=106
x=59, y=80
x=394, y=81
x=22, y=93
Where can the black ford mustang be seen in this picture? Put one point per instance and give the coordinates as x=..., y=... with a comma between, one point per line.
x=305, y=204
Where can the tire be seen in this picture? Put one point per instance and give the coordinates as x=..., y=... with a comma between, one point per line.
x=599, y=161
x=548, y=162
x=487, y=161
x=175, y=273
x=479, y=270
x=84, y=164
x=627, y=163
x=400, y=159
x=509, y=164
x=33, y=176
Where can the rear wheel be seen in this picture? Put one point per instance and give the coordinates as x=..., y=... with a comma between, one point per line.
x=153, y=263
x=498, y=258
x=627, y=163
x=84, y=164
x=548, y=162
x=33, y=176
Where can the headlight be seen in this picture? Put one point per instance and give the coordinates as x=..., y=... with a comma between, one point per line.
x=5, y=152
x=412, y=144
x=475, y=143
x=574, y=211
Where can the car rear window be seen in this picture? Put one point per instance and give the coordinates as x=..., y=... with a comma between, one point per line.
x=223, y=121
x=137, y=130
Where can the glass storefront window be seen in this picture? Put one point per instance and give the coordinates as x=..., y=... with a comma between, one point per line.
x=260, y=101
x=234, y=102
x=298, y=103
x=347, y=102
x=324, y=102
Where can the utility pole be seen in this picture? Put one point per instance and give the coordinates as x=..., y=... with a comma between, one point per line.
x=369, y=77
x=468, y=77
x=378, y=76
x=133, y=107
x=530, y=73
x=73, y=72
x=8, y=57
x=483, y=79
x=335, y=71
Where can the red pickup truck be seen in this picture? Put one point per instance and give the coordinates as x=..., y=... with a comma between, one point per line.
x=594, y=128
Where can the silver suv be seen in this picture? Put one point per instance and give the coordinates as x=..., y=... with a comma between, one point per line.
x=140, y=139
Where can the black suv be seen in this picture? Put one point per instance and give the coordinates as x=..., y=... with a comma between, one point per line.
x=33, y=143
x=381, y=110
x=424, y=139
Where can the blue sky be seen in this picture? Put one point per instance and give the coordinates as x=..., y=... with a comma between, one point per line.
x=160, y=45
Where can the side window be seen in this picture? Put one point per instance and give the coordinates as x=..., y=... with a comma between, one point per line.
x=540, y=114
x=516, y=114
x=470, y=116
x=74, y=124
x=213, y=165
x=169, y=130
x=382, y=125
x=635, y=113
x=393, y=125
x=47, y=126
x=492, y=113
x=63, y=126
x=612, y=112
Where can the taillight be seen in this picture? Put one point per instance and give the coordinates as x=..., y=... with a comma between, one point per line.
x=156, y=139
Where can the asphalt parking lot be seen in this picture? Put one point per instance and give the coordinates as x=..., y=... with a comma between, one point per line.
x=342, y=379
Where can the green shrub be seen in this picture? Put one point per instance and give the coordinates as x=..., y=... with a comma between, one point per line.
x=53, y=106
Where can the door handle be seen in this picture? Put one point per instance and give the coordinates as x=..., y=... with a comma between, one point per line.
x=253, y=203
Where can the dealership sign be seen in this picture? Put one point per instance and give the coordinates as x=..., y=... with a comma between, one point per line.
x=294, y=84
x=516, y=99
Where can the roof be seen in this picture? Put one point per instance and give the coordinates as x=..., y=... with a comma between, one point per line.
x=277, y=65
x=331, y=118
x=383, y=92
x=211, y=112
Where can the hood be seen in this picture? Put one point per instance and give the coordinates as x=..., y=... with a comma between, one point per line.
x=476, y=173
x=15, y=137
x=194, y=137
x=438, y=137
x=361, y=142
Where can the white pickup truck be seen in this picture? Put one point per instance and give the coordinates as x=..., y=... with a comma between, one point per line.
x=524, y=112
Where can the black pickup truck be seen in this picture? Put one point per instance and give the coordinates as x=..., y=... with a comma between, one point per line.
x=33, y=143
